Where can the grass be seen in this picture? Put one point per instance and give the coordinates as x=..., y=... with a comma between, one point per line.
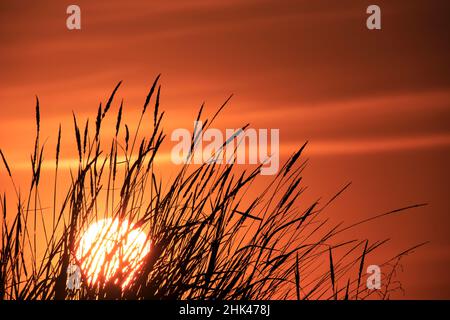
x=211, y=238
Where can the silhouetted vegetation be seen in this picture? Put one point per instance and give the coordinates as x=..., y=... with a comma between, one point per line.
x=210, y=238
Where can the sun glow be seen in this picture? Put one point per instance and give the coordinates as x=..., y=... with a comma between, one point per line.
x=112, y=250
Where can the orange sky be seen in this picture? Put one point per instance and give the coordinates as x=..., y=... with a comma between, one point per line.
x=374, y=105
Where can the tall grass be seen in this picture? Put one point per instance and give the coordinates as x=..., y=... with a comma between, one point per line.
x=210, y=238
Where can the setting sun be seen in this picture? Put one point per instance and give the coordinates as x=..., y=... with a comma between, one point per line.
x=110, y=247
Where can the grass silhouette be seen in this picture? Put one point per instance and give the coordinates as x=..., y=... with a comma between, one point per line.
x=210, y=239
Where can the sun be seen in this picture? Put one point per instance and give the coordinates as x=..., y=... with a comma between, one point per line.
x=112, y=249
